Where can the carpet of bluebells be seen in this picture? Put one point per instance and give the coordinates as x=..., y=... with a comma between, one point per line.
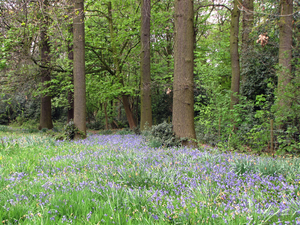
x=119, y=179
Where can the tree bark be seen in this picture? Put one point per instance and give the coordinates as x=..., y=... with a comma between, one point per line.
x=71, y=93
x=234, y=53
x=146, y=109
x=247, y=42
x=128, y=111
x=79, y=69
x=106, y=115
x=285, y=49
x=45, y=117
x=183, y=95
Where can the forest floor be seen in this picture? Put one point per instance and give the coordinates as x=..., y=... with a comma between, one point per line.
x=119, y=179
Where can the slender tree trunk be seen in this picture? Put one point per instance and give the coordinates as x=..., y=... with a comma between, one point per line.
x=79, y=69
x=111, y=114
x=106, y=116
x=45, y=117
x=119, y=109
x=71, y=93
x=285, y=48
x=234, y=53
x=146, y=109
x=183, y=95
x=247, y=42
x=128, y=111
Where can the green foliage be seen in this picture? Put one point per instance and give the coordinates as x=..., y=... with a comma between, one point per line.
x=146, y=132
x=136, y=130
x=155, y=143
x=44, y=130
x=105, y=132
x=95, y=125
x=243, y=165
x=3, y=128
x=265, y=166
x=70, y=130
x=124, y=131
x=52, y=133
x=288, y=117
x=259, y=71
x=31, y=130
x=163, y=135
x=162, y=105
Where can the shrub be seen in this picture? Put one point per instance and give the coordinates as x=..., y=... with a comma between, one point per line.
x=105, y=132
x=96, y=125
x=125, y=131
x=3, y=128
x=155, y=143
x=163, y=133
x=70, y=130
x=31, y=130
x=4, y=119
x=137, y=130
x=44, y=130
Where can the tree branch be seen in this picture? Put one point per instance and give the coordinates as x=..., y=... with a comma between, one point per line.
x=213, y=5
x=60, y=70
x=101, y=60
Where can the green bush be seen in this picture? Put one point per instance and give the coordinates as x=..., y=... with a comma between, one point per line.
x=31, y=130
x=44, y=130
x=95, y=125
x=125, y=131
x=137, y=130
x=163, y=134
x=3, y=128
x=57, y=135
x=70, y=130
x=155, y=143
x=4, y=119
x=105, y=132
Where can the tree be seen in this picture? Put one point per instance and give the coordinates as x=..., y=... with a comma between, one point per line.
x=45, y=117
x=183, y=85
x=234, y=53
x=146, y=109
x=247, y=41
x=79, y=68
x=118, y=69
x=285, y=50
x=70, y=58
x=70, y=92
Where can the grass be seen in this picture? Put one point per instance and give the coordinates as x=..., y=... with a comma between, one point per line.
x=119, y=179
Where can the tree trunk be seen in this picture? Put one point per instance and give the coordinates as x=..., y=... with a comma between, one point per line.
x=183, y=95
x=146, y=109
x=71, y=93
x=285, y=59
x=234, y=53
x=106, y=115
x=285, y=49
x=79, y=69
x=45, y=117
x=128, y=111
x=247, y=42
